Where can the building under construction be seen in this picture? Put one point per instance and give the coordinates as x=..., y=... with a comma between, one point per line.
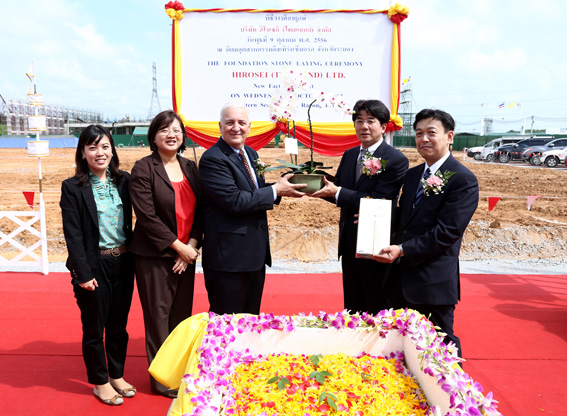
x=14, y=117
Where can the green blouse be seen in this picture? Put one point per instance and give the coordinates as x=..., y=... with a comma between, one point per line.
x=109, y=211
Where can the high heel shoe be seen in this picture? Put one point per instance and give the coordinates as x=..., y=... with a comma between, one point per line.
x=128, y=392
x=115, y=400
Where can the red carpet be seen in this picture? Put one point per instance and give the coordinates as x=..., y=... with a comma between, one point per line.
x=513, y=329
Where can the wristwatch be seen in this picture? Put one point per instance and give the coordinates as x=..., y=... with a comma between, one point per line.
x=401, y=250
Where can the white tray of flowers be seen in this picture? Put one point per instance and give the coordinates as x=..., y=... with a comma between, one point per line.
x=326, y=364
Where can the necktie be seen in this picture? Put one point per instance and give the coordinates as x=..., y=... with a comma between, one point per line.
x=247, y=166
x=420, y=188
x=358, y=172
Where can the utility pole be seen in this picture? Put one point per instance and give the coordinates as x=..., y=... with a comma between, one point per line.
x=155, y=107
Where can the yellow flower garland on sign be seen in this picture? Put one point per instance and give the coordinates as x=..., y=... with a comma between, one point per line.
x=398, y=9
x=366, y=385
x=175, y=14
x=397, y=120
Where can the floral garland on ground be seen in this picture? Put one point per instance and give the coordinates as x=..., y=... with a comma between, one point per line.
x=213, y=392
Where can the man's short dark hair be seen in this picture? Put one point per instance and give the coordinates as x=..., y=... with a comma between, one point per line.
x=376, y=108
x=445, y=118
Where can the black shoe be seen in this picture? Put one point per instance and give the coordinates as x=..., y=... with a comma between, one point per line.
x=169, y=393
x=172, y=394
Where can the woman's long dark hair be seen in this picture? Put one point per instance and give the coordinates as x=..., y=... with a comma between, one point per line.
x=92, y=135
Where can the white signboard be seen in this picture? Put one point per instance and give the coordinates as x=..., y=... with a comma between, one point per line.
x=37, y=123
x=240, y=57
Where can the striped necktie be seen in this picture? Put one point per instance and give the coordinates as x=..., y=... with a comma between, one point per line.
x=420, y=188
x=247, y=166
x=358, y=172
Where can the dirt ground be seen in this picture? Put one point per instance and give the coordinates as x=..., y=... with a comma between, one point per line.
x=306, y=229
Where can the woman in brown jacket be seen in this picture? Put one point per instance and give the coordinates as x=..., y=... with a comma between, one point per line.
x=166, y=196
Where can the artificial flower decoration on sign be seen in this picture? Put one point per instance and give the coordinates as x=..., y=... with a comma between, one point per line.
x=434, y=184
x=396, y=123
x=174, y=9
x=372, y=165
x=398, y=13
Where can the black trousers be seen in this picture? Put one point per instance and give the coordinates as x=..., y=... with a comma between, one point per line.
x=442, y=316
x=167, y=300
x=235, y=292
x=104, y=315
x=363, y=281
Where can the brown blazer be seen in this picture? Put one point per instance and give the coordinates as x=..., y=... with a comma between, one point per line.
x=153, y=199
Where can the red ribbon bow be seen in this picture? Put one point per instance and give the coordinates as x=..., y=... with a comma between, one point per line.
x=177, y=5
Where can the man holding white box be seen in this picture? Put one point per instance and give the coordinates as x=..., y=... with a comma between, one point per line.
x=372, y=170
x=438, y=200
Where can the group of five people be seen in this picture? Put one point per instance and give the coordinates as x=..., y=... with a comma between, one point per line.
x=220, y=207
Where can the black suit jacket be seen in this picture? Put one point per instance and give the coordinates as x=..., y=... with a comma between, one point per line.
x=153, y=198
x=235, y=221
x=385, y=185
x=80, y=226
x=431, y=234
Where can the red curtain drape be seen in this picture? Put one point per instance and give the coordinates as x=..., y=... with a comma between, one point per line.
x=324, y=144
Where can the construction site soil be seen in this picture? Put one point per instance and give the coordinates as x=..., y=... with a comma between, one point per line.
x=305, y=229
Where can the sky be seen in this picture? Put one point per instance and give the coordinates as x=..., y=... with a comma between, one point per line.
x=465, y=57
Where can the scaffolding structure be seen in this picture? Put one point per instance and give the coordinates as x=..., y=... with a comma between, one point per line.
x=405, y=111
x=14, y=115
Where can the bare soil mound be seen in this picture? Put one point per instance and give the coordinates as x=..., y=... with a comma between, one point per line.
x=306, y=229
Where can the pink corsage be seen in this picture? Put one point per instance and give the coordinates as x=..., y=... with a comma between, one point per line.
x=372, y=165
x=435, y=183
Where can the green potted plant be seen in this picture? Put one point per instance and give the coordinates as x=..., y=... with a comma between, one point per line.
x=282, y=108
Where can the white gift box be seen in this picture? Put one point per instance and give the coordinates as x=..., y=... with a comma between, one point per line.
x=374, y=224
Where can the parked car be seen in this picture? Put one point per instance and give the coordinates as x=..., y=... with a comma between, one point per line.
x=508, y=152
x=485, y=152
x=532, y=153
x=553, y=157
x=489, y=155
x=474, y=152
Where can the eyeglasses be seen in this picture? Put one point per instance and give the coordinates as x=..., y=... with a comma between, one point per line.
x=369, y=122
x=176, y=131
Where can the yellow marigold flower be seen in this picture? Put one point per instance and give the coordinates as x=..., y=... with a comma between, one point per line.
x=357, y=386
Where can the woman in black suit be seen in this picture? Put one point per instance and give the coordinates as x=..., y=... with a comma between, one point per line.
x=166, y=196
x=97, y=222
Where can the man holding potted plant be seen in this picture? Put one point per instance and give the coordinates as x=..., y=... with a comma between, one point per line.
x=236, y=246
x=372, y=170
